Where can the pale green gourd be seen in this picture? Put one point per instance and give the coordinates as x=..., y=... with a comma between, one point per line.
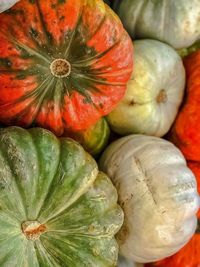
x=56, y=209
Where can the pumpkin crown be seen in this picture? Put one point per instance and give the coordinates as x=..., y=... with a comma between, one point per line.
x=33, y=229
x=60, y=68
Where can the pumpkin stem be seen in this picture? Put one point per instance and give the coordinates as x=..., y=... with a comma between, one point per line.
x=33, y=229
x=60, y=68
x=162, y=96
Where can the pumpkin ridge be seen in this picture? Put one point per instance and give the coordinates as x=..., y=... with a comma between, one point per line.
x=41, y=95
x=19, y=193
x=48, y=37
x=32, y=51
x=41, y=203
x=48, y=256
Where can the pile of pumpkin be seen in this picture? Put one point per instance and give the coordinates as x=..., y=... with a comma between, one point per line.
x=71, y=81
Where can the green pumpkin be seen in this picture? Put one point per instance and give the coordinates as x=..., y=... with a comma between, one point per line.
x=56, y=209
x=95, y=138
x=176, y=22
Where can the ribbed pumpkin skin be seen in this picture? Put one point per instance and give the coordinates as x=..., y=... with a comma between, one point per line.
x=186, y=130
x=89, y=36
x=56, y=183
x=189, y=256
x=157, y=193
x=195, y=167
x=154, y=92
x=174, y=22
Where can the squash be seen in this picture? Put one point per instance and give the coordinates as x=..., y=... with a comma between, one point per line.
x=157, y=192
x=188, y=256
x=56, y=208
x=63, y=64
x=6, y=4
x=195, y=167
x=174, y=22
x=123, y=262
x=154, y=92
x=95, y=138
x=186, y=132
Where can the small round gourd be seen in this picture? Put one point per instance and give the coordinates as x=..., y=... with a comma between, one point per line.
x=154, y=92
x=56, y=209
x=158, y=194
x=174, y=22
x=95, y=138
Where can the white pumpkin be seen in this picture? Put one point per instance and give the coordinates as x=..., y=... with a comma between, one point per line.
x=6, y=4
x=158, y=194
x=154, y=92
x=176, y=22
x=123, y=262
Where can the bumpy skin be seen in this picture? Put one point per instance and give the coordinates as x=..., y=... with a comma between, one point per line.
x=158, y=194
x=154, y=93
x=89, y=36
x=186, y=133
x=56, y=183
x=174, y=22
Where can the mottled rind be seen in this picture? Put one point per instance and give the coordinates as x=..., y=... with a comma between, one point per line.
x=85, y=33
x=56, y=184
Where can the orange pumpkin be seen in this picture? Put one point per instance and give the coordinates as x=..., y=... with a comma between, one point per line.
x=186, y=130
x=63, y=64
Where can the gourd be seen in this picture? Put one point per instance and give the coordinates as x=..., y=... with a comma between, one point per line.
x=122, y=262
x=154, y=92
x=158, y=194
x=174, y=22
x=63, y=64
x=186, y=133
x=188, y=256
x=56, y=208
x=95, y=138
x=6, y=4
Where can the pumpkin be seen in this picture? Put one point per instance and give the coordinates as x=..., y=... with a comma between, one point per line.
x=154, y=92
x=56, y=208
x=6, y=4
x=188, y=256
x=63, y=64
x=195, y=167
x=157, y=192
x=174, y=22
x=123, y=262
x=95, y=138
x=186, y=132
